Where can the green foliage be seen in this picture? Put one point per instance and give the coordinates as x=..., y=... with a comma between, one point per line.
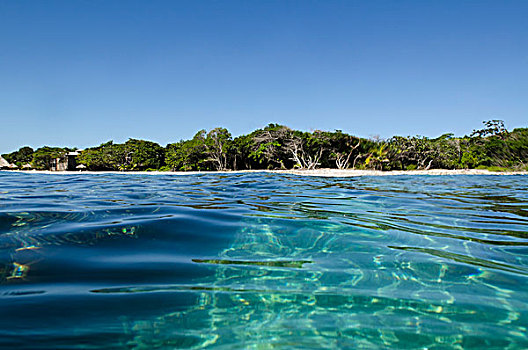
x=377, y=157
x=279, y=147
x=188, y=155
x=164, y=168
x=500, y=149
x=132, y=155
x=269, y=147
x=241, y=149
x=469, y=160
x=492, y=128
x=259, y=154
x=142, y=155
x=21, y=157
x=43, y=157
x=494, y=168
x=517, y=142
x=107, y=156
x=218, y=144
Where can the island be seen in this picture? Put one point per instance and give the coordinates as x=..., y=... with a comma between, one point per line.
x=280, y=148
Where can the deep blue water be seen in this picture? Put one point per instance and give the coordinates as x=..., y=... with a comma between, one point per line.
x=262, y=261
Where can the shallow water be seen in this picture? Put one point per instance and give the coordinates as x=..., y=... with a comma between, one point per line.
x=260, y=261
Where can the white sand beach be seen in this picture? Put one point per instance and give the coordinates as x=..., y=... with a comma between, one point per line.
x=315, y=172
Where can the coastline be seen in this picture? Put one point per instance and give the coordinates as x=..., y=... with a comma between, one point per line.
x=315, y=172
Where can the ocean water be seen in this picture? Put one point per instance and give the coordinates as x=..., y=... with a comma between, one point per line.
x=263, y=261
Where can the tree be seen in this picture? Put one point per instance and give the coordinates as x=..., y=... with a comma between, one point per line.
x=341, y=147
x=143, y=155
x=377, y=157
x=279, y=147
x=307, y=149
x=517, y=142
x=242, y=147
x=188, y=155
x=488, y=146
x=43, y=157
x=107, y=156
x=493, y=127
x=21, y=157
x=218, y=145
x=418, y=152
x=268, y=146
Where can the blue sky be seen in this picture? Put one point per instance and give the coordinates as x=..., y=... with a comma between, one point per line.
x=79, y=73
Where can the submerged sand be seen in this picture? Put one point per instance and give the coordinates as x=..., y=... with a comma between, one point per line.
x=316, y=172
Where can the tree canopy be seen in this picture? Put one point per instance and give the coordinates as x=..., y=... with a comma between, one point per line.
x=279, y=147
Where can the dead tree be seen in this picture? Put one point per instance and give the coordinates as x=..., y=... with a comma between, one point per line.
x=341, y=161
x=302, y=159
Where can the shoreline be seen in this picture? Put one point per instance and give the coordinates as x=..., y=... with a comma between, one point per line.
x=316, y=172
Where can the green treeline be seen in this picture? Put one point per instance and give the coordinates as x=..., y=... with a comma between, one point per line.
x=279, y=147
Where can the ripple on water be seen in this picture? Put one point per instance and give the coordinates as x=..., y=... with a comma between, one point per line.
x=263, y=261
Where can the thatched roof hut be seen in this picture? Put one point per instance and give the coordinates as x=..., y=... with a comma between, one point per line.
x=81, y=166
x=27, y=166
x=4, y=164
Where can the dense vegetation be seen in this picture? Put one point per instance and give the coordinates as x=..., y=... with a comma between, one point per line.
x=279, y=147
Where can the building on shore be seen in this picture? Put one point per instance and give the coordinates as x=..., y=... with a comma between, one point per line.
x=67, y=162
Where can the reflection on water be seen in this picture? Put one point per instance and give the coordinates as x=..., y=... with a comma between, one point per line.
x=263, y=261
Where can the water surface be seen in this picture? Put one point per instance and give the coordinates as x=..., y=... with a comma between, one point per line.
x=261, y=261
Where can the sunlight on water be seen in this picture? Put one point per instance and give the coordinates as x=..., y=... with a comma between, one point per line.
x=263, y=261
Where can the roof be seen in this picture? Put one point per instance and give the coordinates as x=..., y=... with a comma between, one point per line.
x=3, y=163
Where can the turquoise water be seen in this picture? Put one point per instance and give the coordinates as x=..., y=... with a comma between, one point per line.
x=263, y=261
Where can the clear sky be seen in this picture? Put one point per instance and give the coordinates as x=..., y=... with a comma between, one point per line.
x=79, y=73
